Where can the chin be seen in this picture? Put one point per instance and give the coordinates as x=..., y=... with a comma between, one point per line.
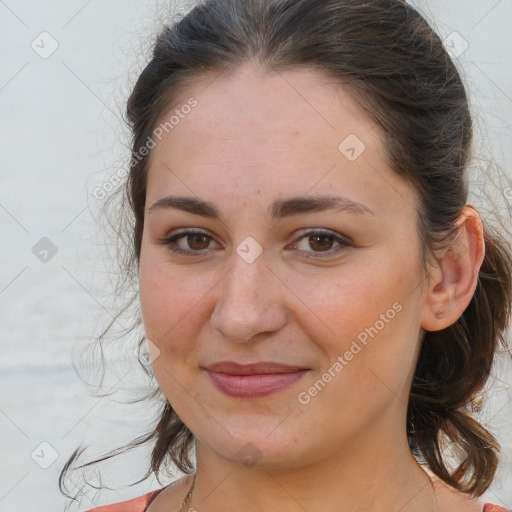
x=263, y=444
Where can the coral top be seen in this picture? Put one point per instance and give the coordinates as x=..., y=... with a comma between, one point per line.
x=141, y=503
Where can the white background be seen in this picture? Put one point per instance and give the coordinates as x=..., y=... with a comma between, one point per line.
x=60, y=137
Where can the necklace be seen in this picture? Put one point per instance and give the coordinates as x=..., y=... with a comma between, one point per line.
x=188, y=496
x=186, y=499
x=432, y=491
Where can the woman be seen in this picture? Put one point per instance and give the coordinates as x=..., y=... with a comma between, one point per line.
x=321, y=305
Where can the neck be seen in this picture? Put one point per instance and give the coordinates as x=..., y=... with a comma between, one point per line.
x=375, y=476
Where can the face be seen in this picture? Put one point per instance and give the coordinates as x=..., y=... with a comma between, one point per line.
x=297, y=246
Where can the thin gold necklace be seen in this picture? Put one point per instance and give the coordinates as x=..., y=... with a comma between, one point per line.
x=188, y=496
x=186, y=499
x=433, y=492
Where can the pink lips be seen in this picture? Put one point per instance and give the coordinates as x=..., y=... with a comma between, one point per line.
x=253, y=380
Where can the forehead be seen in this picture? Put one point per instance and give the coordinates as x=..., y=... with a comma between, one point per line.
x=289, y=132
x=275, y=107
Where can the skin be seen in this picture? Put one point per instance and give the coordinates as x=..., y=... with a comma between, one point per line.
x=256, y=137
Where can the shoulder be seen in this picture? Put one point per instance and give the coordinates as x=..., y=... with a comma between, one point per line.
x=449, y=498
x=134, y=505
x=489, y=507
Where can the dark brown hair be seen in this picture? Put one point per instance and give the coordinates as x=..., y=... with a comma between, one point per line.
x=399, y=72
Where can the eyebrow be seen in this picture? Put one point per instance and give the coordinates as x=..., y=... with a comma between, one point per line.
x=279, y=209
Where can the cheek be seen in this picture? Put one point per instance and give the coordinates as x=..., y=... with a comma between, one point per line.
x=364, y=322
x=171, y=301
x=342, y=303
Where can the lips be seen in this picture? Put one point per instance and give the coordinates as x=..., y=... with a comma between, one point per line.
x=253, y=380
x=261, y=368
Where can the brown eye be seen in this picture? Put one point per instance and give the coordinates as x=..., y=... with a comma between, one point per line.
x=188, y=243
x=321, y=242
x=198, y=241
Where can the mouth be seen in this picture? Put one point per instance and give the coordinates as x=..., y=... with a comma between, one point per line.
x=253, y=380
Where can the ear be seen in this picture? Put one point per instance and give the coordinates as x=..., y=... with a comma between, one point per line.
x=454, y=278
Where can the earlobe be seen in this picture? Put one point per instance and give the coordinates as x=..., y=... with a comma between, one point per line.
x=453, y=280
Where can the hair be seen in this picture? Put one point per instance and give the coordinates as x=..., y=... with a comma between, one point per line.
x=398, y=71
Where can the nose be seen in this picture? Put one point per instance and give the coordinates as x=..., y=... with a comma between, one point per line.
x=249, y=301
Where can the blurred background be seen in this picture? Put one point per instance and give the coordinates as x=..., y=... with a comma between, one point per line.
x=66, y=69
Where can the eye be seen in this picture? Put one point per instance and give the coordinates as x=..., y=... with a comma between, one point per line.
x=188, y=242
x=321, y=241
x=196, y=243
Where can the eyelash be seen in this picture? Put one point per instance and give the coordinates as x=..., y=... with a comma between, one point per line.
x=170, y=242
